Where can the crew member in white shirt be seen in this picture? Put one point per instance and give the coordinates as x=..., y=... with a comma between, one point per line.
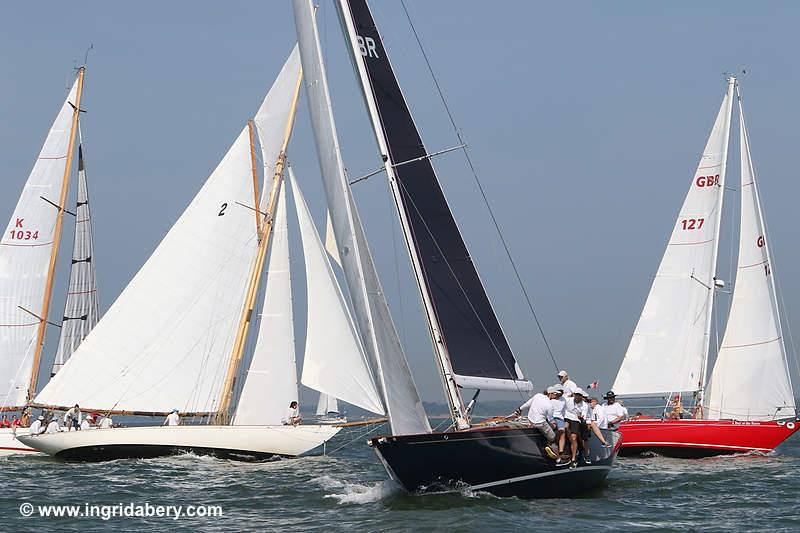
x=173, y=419
x=106, y=422
x=559, y=407
x=614, y=412
x=87, y=422
x=292, y=417
x=36, y=428
x=540, y=414
x=52, y=427
x=577, y=415
x=569, y=386
x=597, y=420
x=73, y=418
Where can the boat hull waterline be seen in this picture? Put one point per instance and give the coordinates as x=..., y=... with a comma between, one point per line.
x=689, y=438
x=241, y=443
x=502, y=461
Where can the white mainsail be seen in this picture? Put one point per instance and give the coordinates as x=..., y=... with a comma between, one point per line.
x=334, y=361
x=375, y=326
x=326, y=404
x=750, y=380
x=81, y=310
x=166, y=341
x=25, y=248
x=669, y=347
x=271, y=379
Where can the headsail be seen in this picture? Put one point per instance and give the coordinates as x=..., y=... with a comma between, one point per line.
x=379, y=336
x=25, y=249
x=669, y=347
x=82, y=310
x=326, y=404
x=466, y=333
x=750, y=380
x=166, y=340
x=271, y=380
x=334, y=362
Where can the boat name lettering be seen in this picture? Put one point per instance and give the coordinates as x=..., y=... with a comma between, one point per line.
x=367, y=46
x=707, y=181
x=692, y=223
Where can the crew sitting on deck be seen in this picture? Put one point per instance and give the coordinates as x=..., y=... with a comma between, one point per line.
x=677, y=411
x=577, y=415
x=87, y=422
x=52, y=426
x=568, y=384
x=540, y=413
x=36, y=427
x=4, y=423
x=106, y=422
x=292, y=417
x=173, y=419
x=615, y=412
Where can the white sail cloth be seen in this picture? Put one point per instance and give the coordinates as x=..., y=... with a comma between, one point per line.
x=334, y=361
x=375, y=326
x=750, y=380
x=25, y=248
x=81, y=310
x=326, y=404
x=669, y=346
x=271, y=379
x=166, y=341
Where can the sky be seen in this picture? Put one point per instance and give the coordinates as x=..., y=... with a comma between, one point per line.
x=585, y=122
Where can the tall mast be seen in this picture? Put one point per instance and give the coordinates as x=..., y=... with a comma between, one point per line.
x=713, y=289
x=254, y=167
x=48, y=292
x=223, y=414
x=455, y=403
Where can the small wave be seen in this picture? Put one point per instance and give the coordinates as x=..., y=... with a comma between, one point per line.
x=357, y=493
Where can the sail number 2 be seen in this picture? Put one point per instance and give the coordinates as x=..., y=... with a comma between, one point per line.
x=692, y=223
x=21, y=234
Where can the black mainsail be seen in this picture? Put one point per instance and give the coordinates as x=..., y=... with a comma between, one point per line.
x=463, y=324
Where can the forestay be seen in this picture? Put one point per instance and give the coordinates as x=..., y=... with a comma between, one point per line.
x=668, y=350
x=750, y=380
x=271, y=380
x=81, y=310
x=464, y=325
x=334, y=361
x=374, y=322
x=166, y=341
x=25, y=248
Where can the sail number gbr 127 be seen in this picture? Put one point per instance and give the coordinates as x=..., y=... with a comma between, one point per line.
x=692, y=223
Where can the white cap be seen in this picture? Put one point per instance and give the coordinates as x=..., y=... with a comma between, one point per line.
x=579, y=391
x=40, y=417
x=562, y=373
x=559, y=388
x=552, y=390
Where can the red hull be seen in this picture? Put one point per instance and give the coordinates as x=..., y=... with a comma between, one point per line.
x=702, y=438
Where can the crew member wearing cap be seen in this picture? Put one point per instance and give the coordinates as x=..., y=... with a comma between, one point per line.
x=559, y=406
x=173, y=419
x=597, y=420
x=577, y=415
x=615, y=412
x=568, y=384
x=36, y=427
x=540, y=413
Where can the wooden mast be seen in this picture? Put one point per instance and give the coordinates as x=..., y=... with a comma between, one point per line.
x=254, y=167
x=48, y=292
x=223, y=415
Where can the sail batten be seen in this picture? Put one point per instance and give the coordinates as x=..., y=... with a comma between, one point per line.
x=25, y=250
x=750, y=380
x=669, y=347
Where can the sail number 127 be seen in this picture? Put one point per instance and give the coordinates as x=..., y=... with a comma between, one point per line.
x=692, y=223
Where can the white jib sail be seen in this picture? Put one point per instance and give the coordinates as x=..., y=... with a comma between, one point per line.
x=326, y=404
x=670, y=344
x=271, y=380
x=334, y=361
x=330, y=241
x=25, y=248
x=81, y=310
x=750, y=380
x=166, y=341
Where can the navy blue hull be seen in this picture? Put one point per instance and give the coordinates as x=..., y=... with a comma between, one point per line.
x=502, y=461
x=143, y=451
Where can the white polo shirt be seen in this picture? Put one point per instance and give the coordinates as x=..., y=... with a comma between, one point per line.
x=614, y=410
x=598, y=416
x=559, y=406
x=569, y=388
x=540, y=409
x=574, y=409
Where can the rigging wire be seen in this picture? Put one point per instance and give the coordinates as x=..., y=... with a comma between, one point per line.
x=478, y=182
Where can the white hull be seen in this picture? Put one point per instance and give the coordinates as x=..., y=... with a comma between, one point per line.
x=232, y=442
x=10, y=445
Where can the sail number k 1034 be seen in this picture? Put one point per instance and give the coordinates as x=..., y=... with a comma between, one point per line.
x=21, y=234
x=692, y=223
